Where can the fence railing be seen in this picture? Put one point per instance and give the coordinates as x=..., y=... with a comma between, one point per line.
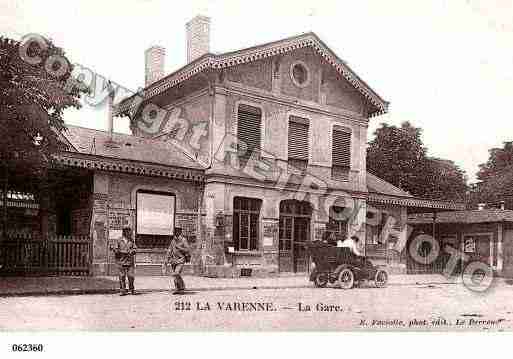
x=63, y=255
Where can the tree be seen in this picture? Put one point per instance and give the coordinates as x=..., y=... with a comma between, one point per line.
x=495, y=179
x=34, y=74
x=445, y=180
x=398, y=155
x=494, y=190
x=498, y=160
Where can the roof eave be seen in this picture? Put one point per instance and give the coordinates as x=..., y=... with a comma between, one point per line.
x=211, y=61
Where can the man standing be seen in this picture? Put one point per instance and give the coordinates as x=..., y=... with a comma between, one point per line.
x=177, y=255
x=124, y=252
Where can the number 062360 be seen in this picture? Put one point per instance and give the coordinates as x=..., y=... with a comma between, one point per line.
x=27, y=347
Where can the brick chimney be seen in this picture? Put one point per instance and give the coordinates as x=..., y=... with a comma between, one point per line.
x=154, y=59
x=198, y=37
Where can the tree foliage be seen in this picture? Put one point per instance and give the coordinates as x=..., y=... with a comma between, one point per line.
x=495, y=179
x=33, y=96
x=398, y=155
x=498, y=160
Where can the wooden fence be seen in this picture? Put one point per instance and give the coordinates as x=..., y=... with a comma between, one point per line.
x=63, y=255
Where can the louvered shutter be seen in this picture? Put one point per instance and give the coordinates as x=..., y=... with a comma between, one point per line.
x=298, y=138
x=249, y=129
x=341, y=153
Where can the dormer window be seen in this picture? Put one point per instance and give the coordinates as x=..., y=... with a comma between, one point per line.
x=300, y=74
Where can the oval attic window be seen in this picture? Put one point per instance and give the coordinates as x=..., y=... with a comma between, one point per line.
x=300, y=74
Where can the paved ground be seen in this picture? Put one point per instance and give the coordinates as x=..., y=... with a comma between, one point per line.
x=379, y=309
x=25, y=286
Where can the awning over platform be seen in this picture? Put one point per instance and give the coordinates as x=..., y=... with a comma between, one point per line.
x=474, y=216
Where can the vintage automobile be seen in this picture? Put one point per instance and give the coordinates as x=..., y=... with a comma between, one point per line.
x=340, y=266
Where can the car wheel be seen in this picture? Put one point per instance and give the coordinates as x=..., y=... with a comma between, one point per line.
x=321, y=279
x=346, y=278
x=381, y=278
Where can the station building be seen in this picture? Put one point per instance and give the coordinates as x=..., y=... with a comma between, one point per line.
x=251, y=152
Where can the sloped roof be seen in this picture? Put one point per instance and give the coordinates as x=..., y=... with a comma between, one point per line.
x=378, y=185
x=128, y=147
x=380, y=191
x=474, y=216
x=220, y=61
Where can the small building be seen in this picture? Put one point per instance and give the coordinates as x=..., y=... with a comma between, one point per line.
x=481, y=235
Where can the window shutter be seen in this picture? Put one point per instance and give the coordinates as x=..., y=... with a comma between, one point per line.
x=298, y=138
x=341, y=153
x=249, y=129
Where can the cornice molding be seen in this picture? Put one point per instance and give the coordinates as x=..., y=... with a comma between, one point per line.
x=415, y=202
x=248, y=182
x=100, y=163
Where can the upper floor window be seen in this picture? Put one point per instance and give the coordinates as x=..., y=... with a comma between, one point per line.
x=249, y=133
x=298, y=147
x=246, y=214
x=341, y=153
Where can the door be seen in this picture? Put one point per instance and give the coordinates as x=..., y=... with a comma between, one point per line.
x=286, y=263
x=301, y=234
x=294, y=231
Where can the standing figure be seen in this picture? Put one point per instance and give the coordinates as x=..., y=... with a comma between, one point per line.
x=124, y=252
x=177, y=255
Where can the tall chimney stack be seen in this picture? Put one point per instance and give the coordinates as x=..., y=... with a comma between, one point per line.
x=198, y=37
x=154, y=59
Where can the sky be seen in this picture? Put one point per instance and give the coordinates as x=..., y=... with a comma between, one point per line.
x=445, y=66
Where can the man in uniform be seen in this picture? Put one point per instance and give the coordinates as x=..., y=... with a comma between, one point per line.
x=124, y=252
x=177, y=255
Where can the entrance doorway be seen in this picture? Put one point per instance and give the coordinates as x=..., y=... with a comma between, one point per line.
x=294, y=232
